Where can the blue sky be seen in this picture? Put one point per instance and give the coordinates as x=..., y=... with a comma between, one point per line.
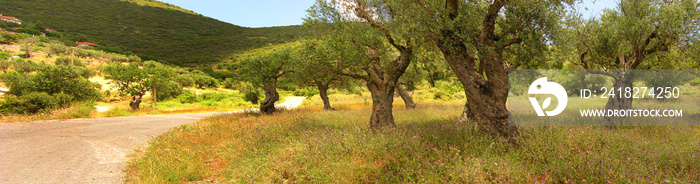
x=249, y=13
x=267, y=13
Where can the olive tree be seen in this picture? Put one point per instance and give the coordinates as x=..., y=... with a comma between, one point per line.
x=634, y=35
x=129, y=80
x=137, y=79
x=318, y=68
x=477, y=38
x=377, y=47
x=264, y=68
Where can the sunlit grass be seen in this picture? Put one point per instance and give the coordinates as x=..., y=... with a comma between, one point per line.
x=427, y=146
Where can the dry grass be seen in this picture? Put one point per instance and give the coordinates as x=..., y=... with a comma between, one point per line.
x=426, y=146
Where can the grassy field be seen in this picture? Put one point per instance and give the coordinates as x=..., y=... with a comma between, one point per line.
x=427, y=146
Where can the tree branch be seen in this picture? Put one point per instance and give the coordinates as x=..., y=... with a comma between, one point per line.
x=360, y=12
x=509, y=43
x=489, y=22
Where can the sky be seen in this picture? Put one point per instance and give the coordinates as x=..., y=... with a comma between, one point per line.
x=250, y=13
x=268, y=13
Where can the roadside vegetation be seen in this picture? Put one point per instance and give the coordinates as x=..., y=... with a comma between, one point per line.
x=427, y=145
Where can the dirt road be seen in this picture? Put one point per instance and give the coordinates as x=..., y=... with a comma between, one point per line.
x=83, y=150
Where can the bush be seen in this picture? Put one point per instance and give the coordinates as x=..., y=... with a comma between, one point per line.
x=58, y=49
x=5, y=64
x=50, y=87
x=230, y=83
x=442, y=95
x=217, y=97
x=67, y=61
x=202, y=80
x=185, y=80
x=24, y=66
x=189, y=98
x=117, y=58
x=695, y=82
x=251, y=93
x=307, y=92
x=37, y=101
x=133, y=58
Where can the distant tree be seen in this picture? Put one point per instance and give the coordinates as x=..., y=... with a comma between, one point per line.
x=27, y=46
x=129, y=80
x=203, y=80
x=635, y=35
x=265, y=69
x=160, y=81
x=136, y=79
x=317, y=68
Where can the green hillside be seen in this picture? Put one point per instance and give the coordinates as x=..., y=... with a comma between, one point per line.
x=151, y=29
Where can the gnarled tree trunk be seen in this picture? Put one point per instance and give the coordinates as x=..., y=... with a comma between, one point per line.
x=267, y=106
x=135, y=102
x=482, y=72
x=323, y=93
x=406, y=98
x=619, y=102
x=382, y=104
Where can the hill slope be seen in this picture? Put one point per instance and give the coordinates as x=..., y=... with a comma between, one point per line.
x=151, y=29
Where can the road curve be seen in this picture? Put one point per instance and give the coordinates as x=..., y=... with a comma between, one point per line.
x=83, y=150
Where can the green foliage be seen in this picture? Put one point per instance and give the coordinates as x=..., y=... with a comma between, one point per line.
x=34, y=102
x=186, y=80
x=49, y=87
x=265, y=66
x=9, y=38
x=58, y=49
x=202, y=80
x=188, y=97
x=637, y=34
x=307, y=92
x=153, y=30
x=87, y=53
x=160, y=80
x=24, y=65
x=67, y=61
x=251, y=93
x=128, y=79
x=135, y=79
x=230, y=83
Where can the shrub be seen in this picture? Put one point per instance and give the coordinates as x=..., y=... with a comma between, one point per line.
x=202, y=80
x=307, y=92
x=58, y=49
x=251, y=93
x=695, y=82
x=230, y=83
x=37, y=101
x=185, y=80
x=4, y=64
x=442, y=95
x=67, y=61
x=24, y=66
x=189, y=98
x=133, y=58
x=117, y=58
x=217, y=97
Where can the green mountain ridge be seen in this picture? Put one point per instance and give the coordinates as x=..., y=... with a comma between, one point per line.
x=151, y=29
